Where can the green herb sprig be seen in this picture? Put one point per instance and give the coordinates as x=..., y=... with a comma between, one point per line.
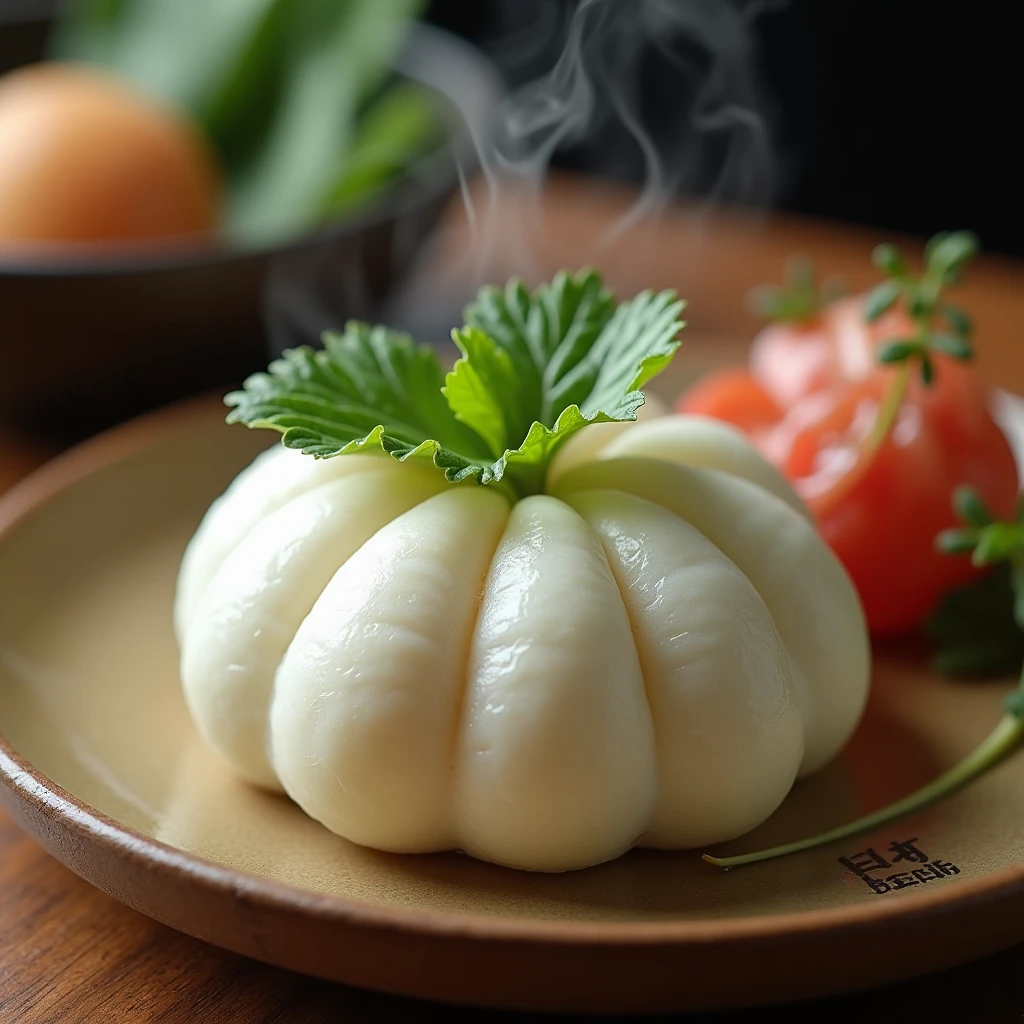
x=990, y=542
x=978, y=630
x=938, y=325
x=799, y=300
x=946, y=256
x=535, y=369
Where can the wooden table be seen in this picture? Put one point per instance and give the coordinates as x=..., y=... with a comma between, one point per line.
x=70, y=954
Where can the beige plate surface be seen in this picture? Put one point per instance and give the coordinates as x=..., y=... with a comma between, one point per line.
x=100, y=763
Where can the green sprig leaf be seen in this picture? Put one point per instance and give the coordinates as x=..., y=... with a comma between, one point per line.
x=952, y=345
x=534, y=369
x=957, y=319
x=969, y=507
x=889, y=260
x=957, y=542
x=881, y=299
x=946, y=256
x=799, y=299
x=979, y=629
x=897, y=351
x=974, y=628
x=998, y=542
x=948, y=253
x=992, y=540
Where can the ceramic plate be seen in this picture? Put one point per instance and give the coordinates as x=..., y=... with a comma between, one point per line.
x=100, y=763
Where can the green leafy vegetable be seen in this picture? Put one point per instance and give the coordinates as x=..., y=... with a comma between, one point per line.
x=337, y=54
x=295, y=95
x=946, y=256
x=392, y=133
x=208, y=58
x=973, y=627
x=799, y=300
x=535, y=369
x=978, y=629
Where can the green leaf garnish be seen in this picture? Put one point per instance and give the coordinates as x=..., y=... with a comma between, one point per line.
x=544, y=336
x=948, y=253
x=896, y=351
x=799, y=300
x=890, y=260
x=535, y=369
x=974, y=631
x=956, y=318
x=967, y=504
x=946, y=256
x=881, y=299
x=978, y=629
x=477, y=388
x=990, y=540
x=927, y=368
x=952, y=345
x=367, y=386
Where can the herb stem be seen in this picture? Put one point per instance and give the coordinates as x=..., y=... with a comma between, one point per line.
x=885, y=419
x=888, y=409
x=1001, y=742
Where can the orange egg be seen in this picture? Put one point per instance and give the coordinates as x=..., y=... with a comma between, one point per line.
x=85, y=158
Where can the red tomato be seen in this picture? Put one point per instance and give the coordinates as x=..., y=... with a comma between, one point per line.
x=880, y=511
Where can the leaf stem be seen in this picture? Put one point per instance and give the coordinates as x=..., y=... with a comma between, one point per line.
x=885, y=419
x=1001, y=742
x=888, y=409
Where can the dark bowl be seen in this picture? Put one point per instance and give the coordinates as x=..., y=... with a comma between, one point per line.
x=91, y=336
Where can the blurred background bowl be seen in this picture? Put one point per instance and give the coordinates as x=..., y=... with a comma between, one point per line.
x=91, y=334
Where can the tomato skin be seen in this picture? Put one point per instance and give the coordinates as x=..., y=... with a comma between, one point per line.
x=737, y=396
x=879, y=511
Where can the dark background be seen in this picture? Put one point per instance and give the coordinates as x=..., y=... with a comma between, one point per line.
x=900, y=114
